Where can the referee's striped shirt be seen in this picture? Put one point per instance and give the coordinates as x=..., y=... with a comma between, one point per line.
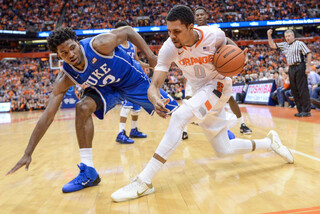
x=294, y=52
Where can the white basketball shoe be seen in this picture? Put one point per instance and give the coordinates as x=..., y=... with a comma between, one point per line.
x=135, y=189
x=279, y=148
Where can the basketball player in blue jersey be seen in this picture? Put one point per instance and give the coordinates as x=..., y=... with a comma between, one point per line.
x=110, y=76
x=122, y=138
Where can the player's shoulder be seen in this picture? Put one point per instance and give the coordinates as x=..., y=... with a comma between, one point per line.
x=86, y=41
x=209, y=29
x=168, y=43
x=168, y=47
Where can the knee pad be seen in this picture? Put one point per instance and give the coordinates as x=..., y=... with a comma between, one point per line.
x=124, y=112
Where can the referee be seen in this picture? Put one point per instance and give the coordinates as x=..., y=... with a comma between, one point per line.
x=295, y=51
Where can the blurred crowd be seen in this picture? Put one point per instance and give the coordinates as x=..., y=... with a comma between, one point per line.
x=26, y=83
x=42, y=15
x=30, y=15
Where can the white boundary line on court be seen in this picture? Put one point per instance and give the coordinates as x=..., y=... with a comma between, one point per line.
x=305, y=155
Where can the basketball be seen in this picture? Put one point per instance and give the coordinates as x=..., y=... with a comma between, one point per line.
x=229, y=60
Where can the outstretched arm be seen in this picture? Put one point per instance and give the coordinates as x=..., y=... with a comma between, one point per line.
x=106, y=43
x=61, y=86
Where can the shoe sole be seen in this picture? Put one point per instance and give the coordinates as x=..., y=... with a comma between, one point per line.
x=148, y=192
x=284, y=157
x=137, y=137
x=245, y=133
x=123, y=142
x=271, y=135
x=94, y=183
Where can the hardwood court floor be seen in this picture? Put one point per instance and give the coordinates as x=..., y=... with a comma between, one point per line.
x=194, y=180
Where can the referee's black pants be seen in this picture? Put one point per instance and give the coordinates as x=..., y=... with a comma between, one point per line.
x=299, y=87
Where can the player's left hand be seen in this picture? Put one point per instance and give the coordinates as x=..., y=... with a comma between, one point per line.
x=160, y=107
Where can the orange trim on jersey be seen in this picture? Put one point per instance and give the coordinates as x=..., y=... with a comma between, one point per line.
x=201, y=36
x=184, y=47
x=208, y=105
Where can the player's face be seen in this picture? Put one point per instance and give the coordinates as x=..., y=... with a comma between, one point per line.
x=70, y=52
x=289, y=37
x=201, y=17
x=180, y=34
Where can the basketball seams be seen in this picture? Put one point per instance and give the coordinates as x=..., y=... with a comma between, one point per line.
x=220, y=54
x=233, y=70
x=230, y=59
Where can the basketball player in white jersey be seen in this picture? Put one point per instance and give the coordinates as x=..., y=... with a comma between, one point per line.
x=192, y=50
x=201, y=17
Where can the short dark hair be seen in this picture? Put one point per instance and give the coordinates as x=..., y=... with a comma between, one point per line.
x=201, y=8
x=182, y=13
x=59, y=36
x=121, y=24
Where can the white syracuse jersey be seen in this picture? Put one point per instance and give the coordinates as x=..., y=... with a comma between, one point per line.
x=196, y=61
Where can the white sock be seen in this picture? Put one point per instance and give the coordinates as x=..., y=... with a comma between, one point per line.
x=263, y=144
x=150, y=170
x=238, y=146
x=86, y=156
x=185, y=129
x=241, y=146
x=134, y=124
x=240, y=120
x=170, y=141
x=122, y=126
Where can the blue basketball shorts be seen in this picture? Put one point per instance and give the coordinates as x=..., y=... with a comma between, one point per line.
x=136, y=94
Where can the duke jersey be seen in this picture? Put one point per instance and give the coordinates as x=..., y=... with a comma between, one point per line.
x=196, y=61
x=130, y=50
x=115, y=78
x=118, y=70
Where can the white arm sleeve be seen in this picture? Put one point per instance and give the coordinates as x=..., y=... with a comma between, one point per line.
x=166, y=56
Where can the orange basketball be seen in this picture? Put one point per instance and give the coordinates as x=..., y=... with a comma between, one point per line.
x=229, y=60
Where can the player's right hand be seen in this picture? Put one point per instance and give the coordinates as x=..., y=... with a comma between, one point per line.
x=153, y=61
x=160, y=107
x=269, y=32
x=25, y=160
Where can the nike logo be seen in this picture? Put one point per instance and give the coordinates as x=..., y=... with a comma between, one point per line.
x=85, y=183
x=149, y=186
x=218, y=51
x=77, y=76
x=180, y=53
x=140, y=194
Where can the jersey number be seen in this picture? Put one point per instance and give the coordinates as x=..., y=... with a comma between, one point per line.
x=199, y=71
x=220, y=86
